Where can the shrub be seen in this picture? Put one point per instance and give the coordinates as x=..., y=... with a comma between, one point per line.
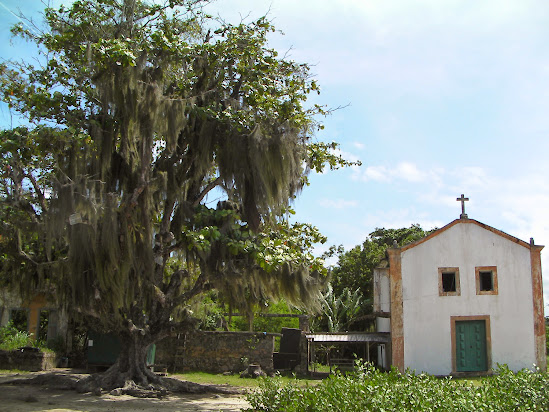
x=368, y=389
x=11, y=338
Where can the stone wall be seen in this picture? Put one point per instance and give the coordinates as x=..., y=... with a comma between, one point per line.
x=27, y=360
x=216, y=352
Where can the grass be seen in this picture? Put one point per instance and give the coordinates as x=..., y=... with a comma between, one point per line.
x=11, y=371
x=236, y=380
x=473, y=380
x=216, y=379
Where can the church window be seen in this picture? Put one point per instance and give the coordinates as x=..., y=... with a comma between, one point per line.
x=486, y=280
x=448, y=281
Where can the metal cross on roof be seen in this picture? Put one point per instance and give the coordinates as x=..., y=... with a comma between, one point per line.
x=463, y=199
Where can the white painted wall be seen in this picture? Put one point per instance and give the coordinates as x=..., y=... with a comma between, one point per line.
x=427, y=327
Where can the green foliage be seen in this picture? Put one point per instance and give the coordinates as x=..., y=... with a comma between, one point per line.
x=137, y=113
x=368, y=389
x=403, y=236
x=275, y=324
x=212, y=314
x=354, y=268
x=524, y=390
x=11, y=338
x=265, y=323
x=339, y=312
x=209, y=312
x=353, y=275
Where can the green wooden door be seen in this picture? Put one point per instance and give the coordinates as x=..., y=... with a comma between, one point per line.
x=471, y=346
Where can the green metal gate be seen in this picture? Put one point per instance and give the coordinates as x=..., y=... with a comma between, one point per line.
x=471, y=346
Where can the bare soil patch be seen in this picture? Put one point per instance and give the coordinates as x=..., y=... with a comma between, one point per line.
x=19, y=396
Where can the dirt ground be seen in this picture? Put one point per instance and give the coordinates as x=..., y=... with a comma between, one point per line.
x=25, y=398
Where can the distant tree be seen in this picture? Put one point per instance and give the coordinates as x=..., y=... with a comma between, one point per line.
x=136, y=113
x=403, y=236
x=354, y=268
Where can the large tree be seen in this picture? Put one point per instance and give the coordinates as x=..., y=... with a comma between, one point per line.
x=138, y=114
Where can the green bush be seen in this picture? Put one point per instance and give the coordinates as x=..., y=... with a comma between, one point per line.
x=369, y=389
x=11, y=338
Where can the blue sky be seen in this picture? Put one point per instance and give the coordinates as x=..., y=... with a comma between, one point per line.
x=443, y=98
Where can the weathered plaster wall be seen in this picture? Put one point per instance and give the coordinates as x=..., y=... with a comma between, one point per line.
x=382, y=303
x=382, y=298
x=58, y=316
x=34, y=306
x=427, y=325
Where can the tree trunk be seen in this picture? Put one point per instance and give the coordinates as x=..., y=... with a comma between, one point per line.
x=131, y=363
x=129, y=373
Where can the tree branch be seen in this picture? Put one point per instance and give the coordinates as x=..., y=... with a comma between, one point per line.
x=40, y=194
x=198, y=288
x=175, y=281
x=168, y=211
x=206, y=190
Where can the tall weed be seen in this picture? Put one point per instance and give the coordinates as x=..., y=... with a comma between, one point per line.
x=368, y=389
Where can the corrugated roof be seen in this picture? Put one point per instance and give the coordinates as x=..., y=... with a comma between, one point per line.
x=348, y=337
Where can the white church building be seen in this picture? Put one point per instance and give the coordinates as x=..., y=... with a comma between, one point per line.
x=462, y=300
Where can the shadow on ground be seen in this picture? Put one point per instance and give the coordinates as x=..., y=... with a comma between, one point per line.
x=17, y=396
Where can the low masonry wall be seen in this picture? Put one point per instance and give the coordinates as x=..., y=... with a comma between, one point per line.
x=216, y=352
x=26, y=360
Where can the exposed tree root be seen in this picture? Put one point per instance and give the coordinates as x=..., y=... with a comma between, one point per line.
x=105, y=383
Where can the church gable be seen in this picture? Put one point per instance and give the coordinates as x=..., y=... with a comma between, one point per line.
x=456, y=222
x=465, y=260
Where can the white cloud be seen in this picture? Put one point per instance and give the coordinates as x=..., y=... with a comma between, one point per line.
x=472, y=177
x=375, y=173
x=410, y=172
x=461, y=84
x=516, y=204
